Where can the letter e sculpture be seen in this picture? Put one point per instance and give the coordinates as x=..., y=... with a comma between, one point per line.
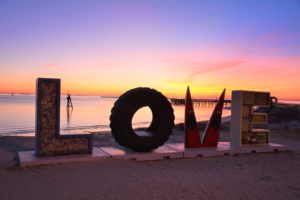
x=243, y=118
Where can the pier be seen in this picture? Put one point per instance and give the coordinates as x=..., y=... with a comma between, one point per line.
x=205, y=102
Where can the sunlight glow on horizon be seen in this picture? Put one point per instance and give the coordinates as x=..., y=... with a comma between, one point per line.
x=105, y=48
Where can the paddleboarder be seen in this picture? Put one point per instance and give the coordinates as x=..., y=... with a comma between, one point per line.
x=69, y=101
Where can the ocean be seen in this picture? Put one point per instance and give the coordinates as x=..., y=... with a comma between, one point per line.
x=90, y=114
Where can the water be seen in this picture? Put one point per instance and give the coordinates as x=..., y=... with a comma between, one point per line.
x=90, y=114
x=290, y=102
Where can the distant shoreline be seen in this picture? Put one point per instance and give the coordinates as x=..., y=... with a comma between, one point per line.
x=103, y=96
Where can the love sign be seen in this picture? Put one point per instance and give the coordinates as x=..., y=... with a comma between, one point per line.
x=49, y=141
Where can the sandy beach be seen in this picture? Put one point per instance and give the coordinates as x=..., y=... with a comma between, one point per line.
x=254, y=176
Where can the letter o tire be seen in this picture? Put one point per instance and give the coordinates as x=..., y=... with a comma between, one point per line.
x=123, y=111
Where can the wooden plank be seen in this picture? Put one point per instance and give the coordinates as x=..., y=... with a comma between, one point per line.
x=29, y=158
x=225, y=148
x=163, y=152
x=263, y=148
x=222, y=149
x=168, y=151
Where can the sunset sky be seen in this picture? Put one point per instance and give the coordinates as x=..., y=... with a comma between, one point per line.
x=106, y=47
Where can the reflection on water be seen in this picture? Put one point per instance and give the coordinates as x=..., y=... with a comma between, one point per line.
x=142, y=118
x=69, y=115
x=17, y=113
x=89, y=113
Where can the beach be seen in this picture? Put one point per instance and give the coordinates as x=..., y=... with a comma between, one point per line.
x=252, y=176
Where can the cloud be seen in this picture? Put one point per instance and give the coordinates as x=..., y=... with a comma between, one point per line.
x=215, y=67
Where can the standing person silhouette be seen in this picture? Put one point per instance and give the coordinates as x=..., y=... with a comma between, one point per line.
x=69, y=101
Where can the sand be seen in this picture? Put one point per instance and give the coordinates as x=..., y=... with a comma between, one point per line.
x=254, y=176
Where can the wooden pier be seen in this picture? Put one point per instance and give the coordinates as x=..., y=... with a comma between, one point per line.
x=207, y=102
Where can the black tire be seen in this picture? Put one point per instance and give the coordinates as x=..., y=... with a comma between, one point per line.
x=123, y=111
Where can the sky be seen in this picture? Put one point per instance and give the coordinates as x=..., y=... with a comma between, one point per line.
x=106, y=47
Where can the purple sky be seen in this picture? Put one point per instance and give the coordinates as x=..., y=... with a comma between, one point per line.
x=107, y=47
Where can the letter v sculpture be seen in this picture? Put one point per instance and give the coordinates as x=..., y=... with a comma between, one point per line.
x=210, y=137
